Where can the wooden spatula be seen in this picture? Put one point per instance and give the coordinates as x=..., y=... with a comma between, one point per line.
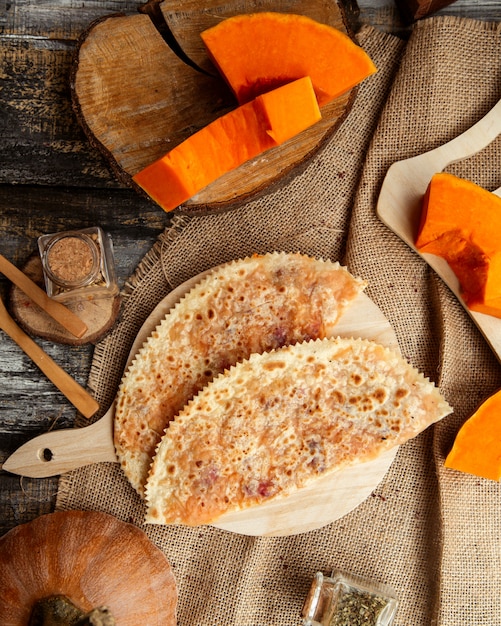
x=76, y=394
x=399, y=203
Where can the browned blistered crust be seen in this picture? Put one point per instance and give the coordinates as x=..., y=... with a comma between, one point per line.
x=280, y=420
x=248, y=306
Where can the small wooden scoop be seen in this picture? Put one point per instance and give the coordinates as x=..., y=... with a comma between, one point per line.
x=399, y=203
x=56, y=310
x=76, y=394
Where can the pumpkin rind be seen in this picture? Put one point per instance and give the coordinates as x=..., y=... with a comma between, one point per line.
x=257, y=52
x=93, y=559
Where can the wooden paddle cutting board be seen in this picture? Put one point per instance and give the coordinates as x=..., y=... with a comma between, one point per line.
x=330, y=498
x=400, y=198
x=142, y=83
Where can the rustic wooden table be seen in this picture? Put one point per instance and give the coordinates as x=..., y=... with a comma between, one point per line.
x=51, y=179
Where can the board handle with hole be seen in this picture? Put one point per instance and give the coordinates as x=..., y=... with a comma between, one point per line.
x=58, y=452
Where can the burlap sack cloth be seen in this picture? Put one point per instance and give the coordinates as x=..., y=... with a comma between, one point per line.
x=434, y=535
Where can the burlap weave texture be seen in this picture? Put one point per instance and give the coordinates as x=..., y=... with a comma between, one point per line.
x=432, y=534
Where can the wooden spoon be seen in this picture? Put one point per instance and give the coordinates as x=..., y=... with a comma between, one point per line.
x=76, y=394
x=399, y=203
x=56, y=310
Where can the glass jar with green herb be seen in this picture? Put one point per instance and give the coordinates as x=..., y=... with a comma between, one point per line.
x=347, y=600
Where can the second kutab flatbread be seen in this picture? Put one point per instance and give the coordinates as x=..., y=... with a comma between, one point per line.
x=276, y=422
x=247, y=306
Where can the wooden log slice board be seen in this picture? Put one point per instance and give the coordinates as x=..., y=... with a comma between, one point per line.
x=99, y=314
x=137, y=99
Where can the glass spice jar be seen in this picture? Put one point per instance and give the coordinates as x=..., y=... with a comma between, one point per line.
x=347, y=600
x=78, y=265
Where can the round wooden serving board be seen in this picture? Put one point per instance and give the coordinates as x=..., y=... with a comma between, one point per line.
x=330, y=498
x=136, y=99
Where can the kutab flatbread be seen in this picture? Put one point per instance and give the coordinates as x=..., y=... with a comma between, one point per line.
x=272, y=424
x=244, y=307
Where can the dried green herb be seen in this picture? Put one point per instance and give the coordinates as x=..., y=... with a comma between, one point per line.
x=357, y=608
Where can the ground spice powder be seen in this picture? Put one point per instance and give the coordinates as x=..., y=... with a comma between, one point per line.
x=72, y=260
x=78, y=265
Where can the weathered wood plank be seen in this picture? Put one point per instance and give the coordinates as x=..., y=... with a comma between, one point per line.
x=62, y=20
x=30, y=406
x=29, y=403
x=26, y=212
x=24, y=499
x=42, y=142
x=386, y=15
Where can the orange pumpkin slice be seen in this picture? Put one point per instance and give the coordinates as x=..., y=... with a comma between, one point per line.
x=227, y=142
x=461, y=222
x=257, y=52
x=477, y=447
